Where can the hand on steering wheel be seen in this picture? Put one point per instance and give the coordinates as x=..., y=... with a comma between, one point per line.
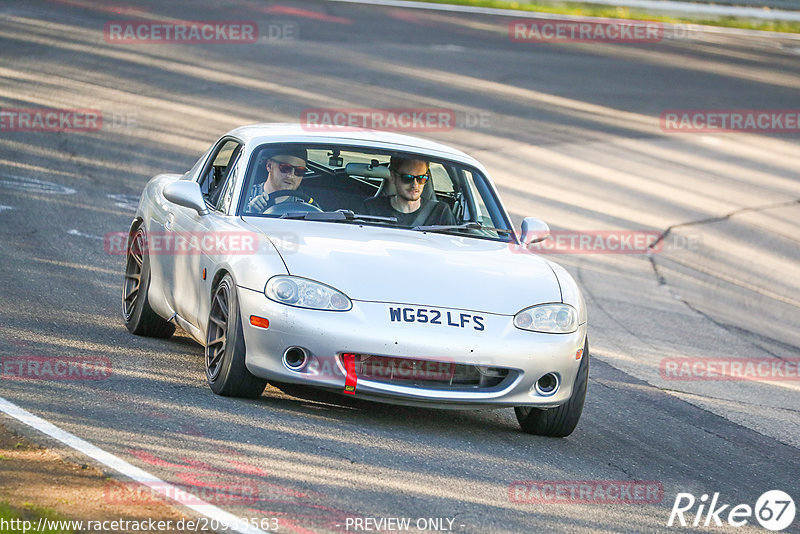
x=263, y=202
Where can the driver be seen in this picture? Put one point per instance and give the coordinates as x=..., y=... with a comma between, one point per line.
x=285, y=171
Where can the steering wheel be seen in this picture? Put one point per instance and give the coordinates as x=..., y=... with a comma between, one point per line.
x=303, y=201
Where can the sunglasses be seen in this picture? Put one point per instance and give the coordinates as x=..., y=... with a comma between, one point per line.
x=409, y=178
x=286, y=168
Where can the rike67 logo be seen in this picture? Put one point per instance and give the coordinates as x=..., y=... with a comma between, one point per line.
x=774, y=510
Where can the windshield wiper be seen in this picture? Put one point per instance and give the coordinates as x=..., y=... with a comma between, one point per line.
x=334, y=216
x=472, y=225
x=349, y=216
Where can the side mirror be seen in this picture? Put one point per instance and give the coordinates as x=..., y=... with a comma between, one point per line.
x=534, y=230
x=187, y=194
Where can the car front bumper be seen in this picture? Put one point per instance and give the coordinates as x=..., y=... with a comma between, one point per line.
x=368, y=329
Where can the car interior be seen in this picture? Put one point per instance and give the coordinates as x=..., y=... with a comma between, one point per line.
x=342, y=179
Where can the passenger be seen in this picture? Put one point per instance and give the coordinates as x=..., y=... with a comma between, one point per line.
x=409, y=176
x=285, y=171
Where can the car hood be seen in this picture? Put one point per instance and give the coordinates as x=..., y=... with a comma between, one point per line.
x=381, y=264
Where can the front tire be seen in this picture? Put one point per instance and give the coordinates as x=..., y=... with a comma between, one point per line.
x=558, y=422
x=140, y=319
x=226, y=372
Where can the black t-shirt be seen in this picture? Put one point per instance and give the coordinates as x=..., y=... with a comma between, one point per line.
x=382, y=207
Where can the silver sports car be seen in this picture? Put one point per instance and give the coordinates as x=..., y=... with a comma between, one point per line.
x=371, y=263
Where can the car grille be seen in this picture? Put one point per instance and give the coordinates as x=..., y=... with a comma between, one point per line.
x=431, y=374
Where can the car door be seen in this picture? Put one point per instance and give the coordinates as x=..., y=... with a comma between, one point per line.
x=193, y=234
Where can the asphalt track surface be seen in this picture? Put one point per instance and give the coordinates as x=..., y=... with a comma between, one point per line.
x=569, y=132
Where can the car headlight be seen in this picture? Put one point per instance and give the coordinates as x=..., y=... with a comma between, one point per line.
x=305, y=293
x=548, y=318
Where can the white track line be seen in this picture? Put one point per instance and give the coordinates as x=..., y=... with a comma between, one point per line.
x=121, y=466
x=453, y=8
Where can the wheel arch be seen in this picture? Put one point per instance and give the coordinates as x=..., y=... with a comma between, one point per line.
x=139, y=314
x=135, y=225
x=218, y=276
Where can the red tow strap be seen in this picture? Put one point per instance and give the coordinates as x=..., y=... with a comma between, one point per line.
x=350, y=380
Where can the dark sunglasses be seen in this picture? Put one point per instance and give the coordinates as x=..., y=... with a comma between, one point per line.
x=286, y=168
x=409, y=178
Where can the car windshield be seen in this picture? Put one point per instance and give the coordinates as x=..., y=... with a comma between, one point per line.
x=372, y=187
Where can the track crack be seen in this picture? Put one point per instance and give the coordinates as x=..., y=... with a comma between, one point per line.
x=721, y=218
x=725, y=326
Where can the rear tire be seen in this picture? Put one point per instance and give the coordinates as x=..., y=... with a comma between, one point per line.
x=140, y=319
x=558, y=422
x=226, y=372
